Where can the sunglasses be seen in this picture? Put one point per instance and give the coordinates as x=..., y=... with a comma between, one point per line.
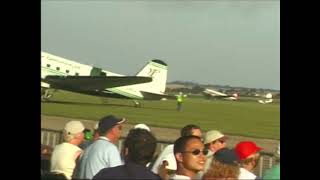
x=197, y=152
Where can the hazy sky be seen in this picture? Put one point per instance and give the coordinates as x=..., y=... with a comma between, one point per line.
x=224, y=42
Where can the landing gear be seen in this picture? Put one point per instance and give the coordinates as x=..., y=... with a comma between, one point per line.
x=136, y=104
x=46, y=94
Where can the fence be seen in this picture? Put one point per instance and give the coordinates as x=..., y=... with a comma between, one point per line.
x=53, y=137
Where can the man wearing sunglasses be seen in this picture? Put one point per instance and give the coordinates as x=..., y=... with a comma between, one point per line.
x=103, y=152
x=190, y=156
x=214, y=140
x=167, y=154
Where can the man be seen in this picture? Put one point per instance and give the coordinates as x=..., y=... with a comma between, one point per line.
x=167, y=153
x=180, y=98
x=190, y=155
x=138, y=150
x=214, y=140
x=103, y=152
x=63, y=159
x=248, y=153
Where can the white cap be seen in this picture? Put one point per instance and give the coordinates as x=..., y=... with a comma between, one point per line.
x=74, y=127
x=172, y=164
x=96, y=126
x=142, y=126
x=212, y=136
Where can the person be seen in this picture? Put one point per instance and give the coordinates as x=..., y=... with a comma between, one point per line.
x=138, y=150
x=64, y=155
x=248, y=154
x=103, y=152
x=46, y=152
x=180, y=99
x=167, y=153
x=223, y=166
x=190, y=155
x=214, y=140
x=88, y=138
x=274, y=172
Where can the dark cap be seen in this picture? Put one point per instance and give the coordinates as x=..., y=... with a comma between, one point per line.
x=108, y=122
x=227, y=156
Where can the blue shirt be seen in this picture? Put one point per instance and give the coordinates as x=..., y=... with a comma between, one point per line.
x=100, y=154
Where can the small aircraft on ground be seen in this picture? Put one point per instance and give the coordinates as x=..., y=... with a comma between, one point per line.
x=210, y=93
x=268, y=99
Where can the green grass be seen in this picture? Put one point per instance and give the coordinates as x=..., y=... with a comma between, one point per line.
x=246, y=118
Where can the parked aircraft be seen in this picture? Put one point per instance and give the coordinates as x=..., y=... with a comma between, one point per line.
x=61, y=73
x=210, y=93
x=268, y=99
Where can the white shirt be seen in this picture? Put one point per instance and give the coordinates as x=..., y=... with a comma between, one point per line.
x=179, y=177
x=63, y=159
x=245, y=174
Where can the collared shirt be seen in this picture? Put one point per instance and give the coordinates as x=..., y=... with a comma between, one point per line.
x=179, y=177
x=246, y=175
x=100, y=154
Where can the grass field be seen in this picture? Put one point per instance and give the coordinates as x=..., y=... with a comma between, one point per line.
x=245, y=118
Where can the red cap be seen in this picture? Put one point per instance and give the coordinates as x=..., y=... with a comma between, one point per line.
x=246, y=148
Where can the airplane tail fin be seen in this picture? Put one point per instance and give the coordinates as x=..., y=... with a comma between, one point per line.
x=157, y=69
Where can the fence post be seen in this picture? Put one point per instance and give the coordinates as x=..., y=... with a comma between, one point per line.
x=261, y=166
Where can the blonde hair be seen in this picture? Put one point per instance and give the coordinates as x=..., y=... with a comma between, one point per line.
x=220, y=171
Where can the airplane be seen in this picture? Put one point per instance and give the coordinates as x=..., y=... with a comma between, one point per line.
x=210, y=93
x=65, y=74
x=268, y=99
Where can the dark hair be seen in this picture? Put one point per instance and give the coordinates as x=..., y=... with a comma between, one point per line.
x=141, y=146
x=180, y=143
x=187, y=130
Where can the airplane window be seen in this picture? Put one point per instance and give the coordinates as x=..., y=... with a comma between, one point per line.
x=77, y=74
x=58, y=68
x=48, y=65
x=67, y=71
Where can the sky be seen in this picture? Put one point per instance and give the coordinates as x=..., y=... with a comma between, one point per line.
x=222, y=42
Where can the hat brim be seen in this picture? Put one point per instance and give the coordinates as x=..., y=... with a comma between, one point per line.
x=122, y=120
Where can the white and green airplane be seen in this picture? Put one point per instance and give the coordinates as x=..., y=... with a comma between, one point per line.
x=61, y=73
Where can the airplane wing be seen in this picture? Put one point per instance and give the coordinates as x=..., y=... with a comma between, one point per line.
x=153, y=96
x=93, y=83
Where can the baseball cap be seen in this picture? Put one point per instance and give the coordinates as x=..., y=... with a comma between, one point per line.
x=142, y=126
x=246, y=148
x=212, y=136
x=74, y=127
x=227, y=156
x=96, y=126
x=108, y=122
